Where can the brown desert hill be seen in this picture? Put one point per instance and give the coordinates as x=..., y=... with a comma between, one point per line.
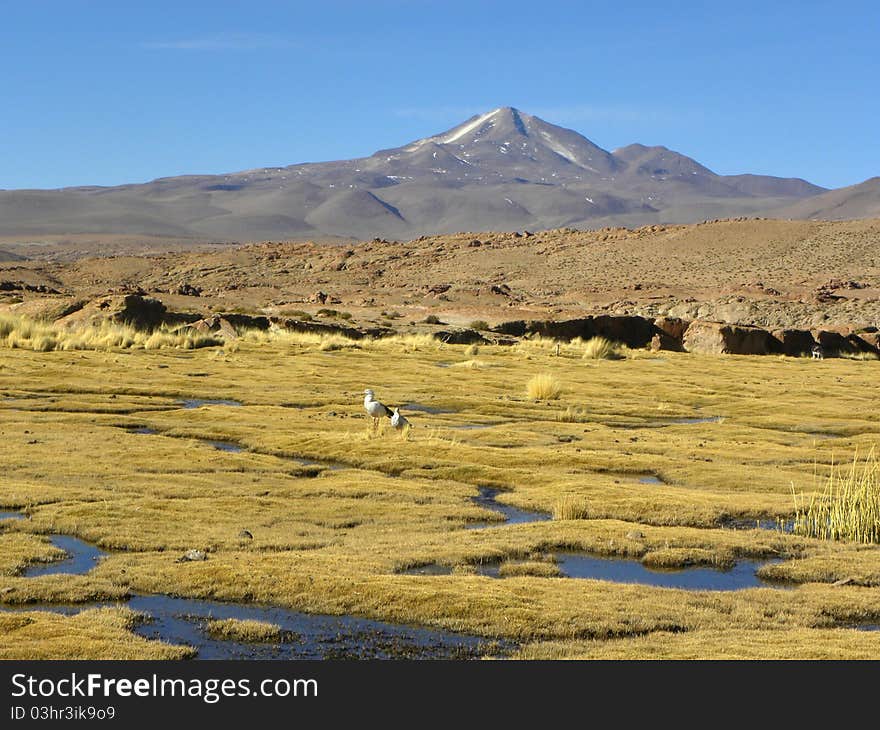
x=855, y=201
x=771, y=273
x=499, y=170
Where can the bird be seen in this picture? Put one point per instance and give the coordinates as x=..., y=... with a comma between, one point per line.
x=399, y=422
x=375, y=409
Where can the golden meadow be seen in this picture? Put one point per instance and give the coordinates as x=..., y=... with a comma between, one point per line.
x=557, y=429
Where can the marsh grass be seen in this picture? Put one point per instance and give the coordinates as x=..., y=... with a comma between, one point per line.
x=333, y=342
x=328, y=541
x=23, y=333
x=670, y=558
x=722, y=643
x=847, y=508
x=571, y=508
x=543, y=387
x=246, y=630
x=535, y=568
x=98, y=633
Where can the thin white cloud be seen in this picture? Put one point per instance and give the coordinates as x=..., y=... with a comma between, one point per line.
x=221, y=42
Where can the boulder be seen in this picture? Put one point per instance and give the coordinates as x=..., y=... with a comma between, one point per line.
x=793, y=342
x=662, y=341
x=139, y=311
x=717, y=338
x=669, y=334
x=500, y=289
x=136, y=310
x=461, y=337
x=872, y=339
x=566, y=329
x=632, y=331
x=835, y=344
x=187, y=290
x=192, y=556
x=300, y=325
x=863, y=342
x=673, y=327
x=246, y=321
x=211, y=325
x=48, y=308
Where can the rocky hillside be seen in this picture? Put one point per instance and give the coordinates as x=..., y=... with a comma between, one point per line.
x=772, y=274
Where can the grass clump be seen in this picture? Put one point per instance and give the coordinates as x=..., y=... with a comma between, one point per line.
x=543, y=387
x=246, y=630
x=847, y=509
x=479, y=324
x=571, y=508
x=432, y=319
x=601, y=348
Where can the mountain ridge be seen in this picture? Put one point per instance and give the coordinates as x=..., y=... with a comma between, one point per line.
x=499, y=170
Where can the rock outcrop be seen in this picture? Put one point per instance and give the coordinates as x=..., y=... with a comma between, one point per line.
x=793, y=342
x=716, y=338
x=632, y=331
x=301, y=325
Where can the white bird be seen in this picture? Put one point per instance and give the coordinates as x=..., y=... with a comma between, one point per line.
x=375, y=409
x=399, y=422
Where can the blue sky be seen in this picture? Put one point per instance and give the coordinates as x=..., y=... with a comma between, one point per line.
x=97, y=92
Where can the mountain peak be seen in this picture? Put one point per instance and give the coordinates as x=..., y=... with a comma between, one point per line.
x=507, y=135
x=504, y=116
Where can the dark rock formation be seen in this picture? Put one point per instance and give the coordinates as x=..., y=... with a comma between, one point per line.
x=793, y=342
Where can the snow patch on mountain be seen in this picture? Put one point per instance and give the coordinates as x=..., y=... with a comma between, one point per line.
x=467, y=127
